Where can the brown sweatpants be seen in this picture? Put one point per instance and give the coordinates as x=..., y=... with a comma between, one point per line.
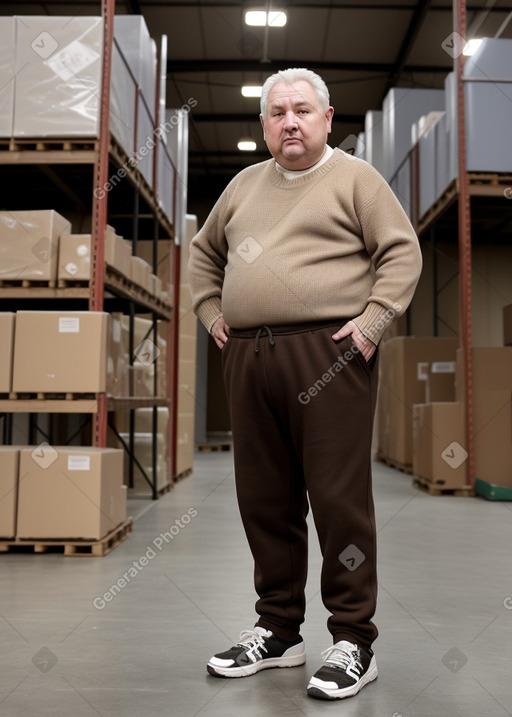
x=302, y=409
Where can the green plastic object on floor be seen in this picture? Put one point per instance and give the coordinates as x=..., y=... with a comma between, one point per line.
x=492, y=491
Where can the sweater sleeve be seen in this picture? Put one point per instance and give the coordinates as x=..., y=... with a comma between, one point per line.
x=208, y=258
x=394, y=250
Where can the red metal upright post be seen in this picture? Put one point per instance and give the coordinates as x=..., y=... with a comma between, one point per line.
x=459, y=15
x=100, y=202
x=174, y=358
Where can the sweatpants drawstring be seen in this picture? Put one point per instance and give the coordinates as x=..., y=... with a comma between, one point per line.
x=268, y=332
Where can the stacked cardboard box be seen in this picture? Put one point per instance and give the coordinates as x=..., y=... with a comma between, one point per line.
x=71, y=351
x=406, y=378
x=492, y=412
x=29, y=244
x=439, y=453
x=143, y=443
x=70, y=493
x=6, y=350
x=118, y=359
x=9, y=470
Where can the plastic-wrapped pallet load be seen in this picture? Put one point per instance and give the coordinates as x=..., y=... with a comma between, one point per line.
x=58, y=76
x=401, y=108
x=373, y=132
x=425, y=133
x=132, y=36
x=58, y=63
x=177, y=144
x=489, y=107
x=488, y=103
x=8, y=72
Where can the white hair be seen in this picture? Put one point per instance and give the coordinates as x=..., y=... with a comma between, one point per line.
x=290, y=76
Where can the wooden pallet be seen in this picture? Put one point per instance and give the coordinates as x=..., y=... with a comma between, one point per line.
x=53, y=396
x=403, y=467
x=183, y=474
x=165, y=489
x=45, y=144
x=435, y=489
x=73, y=548
x=214, y=447
x=27, y=284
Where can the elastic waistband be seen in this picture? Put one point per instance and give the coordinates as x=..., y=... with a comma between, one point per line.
x=289, y=329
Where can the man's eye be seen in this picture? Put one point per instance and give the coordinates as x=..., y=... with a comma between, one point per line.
x=303, y=112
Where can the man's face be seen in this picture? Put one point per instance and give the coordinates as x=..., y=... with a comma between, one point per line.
x=295, y=127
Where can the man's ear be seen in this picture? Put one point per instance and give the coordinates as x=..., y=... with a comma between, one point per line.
x=263, y=125
x=328, y=117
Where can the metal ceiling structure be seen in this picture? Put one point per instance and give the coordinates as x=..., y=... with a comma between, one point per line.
x=360, y=49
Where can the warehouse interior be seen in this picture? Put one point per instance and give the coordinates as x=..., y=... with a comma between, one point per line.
x=120, y=126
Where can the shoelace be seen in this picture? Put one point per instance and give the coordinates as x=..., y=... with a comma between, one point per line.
x=341, y=657
x=252, y=639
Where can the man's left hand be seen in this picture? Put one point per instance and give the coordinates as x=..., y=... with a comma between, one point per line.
x=365, y=346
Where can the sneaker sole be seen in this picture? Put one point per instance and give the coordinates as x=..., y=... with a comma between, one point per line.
x=330, y=693
x=292, y=661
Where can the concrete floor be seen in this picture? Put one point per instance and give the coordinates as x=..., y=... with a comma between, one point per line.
x=445, y=614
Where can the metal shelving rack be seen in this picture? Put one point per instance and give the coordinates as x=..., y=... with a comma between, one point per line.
x=473, y=203
x=106, y=290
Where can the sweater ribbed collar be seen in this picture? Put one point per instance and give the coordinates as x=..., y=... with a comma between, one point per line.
x=279, y=179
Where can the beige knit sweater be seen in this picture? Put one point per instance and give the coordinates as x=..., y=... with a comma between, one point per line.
x=331, y=244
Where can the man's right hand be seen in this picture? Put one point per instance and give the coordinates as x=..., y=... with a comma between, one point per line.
x=220, y=332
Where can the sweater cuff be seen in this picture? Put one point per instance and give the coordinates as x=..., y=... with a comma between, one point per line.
x=374, y=321
x=209, y=311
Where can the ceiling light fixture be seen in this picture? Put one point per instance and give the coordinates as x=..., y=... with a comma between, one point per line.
x=246, y=145
x=472, y=46
x=262, y=18
x=252, y=90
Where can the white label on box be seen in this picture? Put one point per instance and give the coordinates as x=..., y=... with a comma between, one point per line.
x=422, y=371
x=116, y=331
x=443, y=367
x=71, y=60
x=79, y=463
x=71, y=268
x=69, y=325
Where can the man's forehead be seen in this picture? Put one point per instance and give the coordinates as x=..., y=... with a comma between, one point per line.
x=301, y=92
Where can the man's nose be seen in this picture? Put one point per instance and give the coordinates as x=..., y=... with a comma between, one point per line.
x=290, y=121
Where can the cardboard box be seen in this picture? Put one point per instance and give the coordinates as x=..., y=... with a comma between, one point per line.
x=492, y=412
x=140, y=271
x=70, y=493
x=75, y=257
x=60, y=351
x=118, y=253
x=439, y=444
x=164, y=257
x=7, y=320
x=9, y=462
x=491, y=368
x=507, y=325
x=118, y=359
x=402, y=383
x=29, y=242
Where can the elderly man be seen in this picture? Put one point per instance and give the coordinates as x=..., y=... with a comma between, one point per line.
x=299, y=268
